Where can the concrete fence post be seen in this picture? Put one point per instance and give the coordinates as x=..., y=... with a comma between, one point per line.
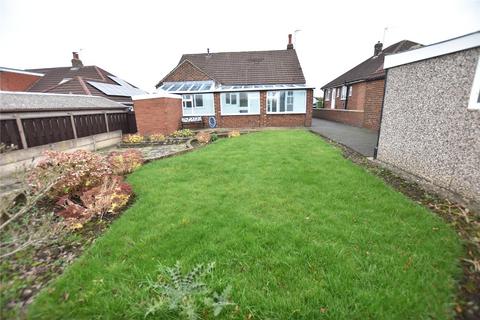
x=106, y=121
x=72, y=120
x=21, y=131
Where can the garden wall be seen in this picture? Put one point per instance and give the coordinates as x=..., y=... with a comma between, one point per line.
x=13, y=161
x=158, y=113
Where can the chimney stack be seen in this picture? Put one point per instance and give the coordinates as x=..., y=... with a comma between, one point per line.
x=378, y=48
x=76, y=62
x=290, y=45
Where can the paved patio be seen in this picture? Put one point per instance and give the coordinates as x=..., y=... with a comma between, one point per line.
x=359, y=139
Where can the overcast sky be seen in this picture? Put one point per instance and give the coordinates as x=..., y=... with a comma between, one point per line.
x=141, y=41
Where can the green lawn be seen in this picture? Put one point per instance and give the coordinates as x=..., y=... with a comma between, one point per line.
x=297, y=230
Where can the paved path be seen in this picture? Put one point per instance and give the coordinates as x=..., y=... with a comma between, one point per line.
x=359, y=139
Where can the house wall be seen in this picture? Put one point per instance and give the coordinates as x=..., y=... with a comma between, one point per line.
x=363, y=107
x=158, y=115
x=426, y=128
x=12, y=81
x=186, y=72
x=373, y=104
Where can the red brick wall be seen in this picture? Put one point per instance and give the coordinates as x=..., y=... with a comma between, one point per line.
x=373, y=104
x=158, y=115
x=11, y=81
x=350, y=117
x=187, y=72
x=355, y=102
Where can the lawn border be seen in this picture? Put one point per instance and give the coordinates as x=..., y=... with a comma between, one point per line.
x=465, y=221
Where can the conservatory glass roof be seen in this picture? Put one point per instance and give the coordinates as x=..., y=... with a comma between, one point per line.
x=209, y=86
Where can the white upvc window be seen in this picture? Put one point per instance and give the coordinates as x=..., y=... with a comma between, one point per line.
x=286, y=101
x=350, y=90
x=338, y=92
x=198, y=104
x=328, y=92
x=343, y=93
x=187, y=101
x=474, y=101
x=240, y=103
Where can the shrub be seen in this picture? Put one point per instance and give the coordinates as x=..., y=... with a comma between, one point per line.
x=76, y=172
x=184, y=133
x=234, y=133
x=157, y=137
x=133, y=138
x=109, y=197
x=125, y=162
x=203, y=137
x=187, y=294
x=214, y=137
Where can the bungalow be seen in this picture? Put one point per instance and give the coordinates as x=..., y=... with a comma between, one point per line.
x=241, y=89
x=438, y=139
x=77, y=79
x=355, y=97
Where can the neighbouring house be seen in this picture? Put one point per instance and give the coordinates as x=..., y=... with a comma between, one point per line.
x=75, y=79
x=240, y=89
x=431, y=115
x=355, y=97
x=17, y=80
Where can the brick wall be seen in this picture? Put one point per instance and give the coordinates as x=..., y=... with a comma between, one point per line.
x=158, y=115
x=186, y=72
x=373, y=104
x=350, y=117
x=367, y=97
x=12, y=81
x=355, y=102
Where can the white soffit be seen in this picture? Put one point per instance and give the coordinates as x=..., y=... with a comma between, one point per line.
x=465, y=42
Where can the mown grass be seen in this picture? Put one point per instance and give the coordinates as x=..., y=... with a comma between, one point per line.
x=297, y=230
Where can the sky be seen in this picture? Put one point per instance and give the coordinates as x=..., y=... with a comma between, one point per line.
x=141, y=41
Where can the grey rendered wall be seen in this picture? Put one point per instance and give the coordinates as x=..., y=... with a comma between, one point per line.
x=426, y=128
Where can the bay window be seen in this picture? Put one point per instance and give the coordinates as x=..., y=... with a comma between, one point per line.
x=286, y=101
x=234, y=103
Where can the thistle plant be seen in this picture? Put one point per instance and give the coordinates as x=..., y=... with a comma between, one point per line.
x=187, y=294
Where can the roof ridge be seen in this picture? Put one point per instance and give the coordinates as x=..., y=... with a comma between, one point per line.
x=248, y=51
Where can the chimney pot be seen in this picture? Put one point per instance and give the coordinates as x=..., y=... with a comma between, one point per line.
x=377, y=48
x=290, y=44
x=76, y=62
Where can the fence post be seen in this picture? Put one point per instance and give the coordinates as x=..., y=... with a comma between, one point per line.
x=73, y=127
x=106, y=121
x=21, y=132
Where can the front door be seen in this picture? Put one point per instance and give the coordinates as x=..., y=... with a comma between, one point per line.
x=332, y=98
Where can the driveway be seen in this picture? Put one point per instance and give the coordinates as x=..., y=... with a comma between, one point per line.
x=359, y=139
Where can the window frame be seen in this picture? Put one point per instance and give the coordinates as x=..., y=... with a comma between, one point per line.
x=327, y=94
x=350, y=90
x=473, y=103
x=229, y=95
x=185, y=100
x=343, y=94
x=276, y=96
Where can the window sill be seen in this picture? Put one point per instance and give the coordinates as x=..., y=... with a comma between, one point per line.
x=284, y=113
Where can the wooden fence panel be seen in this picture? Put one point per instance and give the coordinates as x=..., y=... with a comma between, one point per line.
x=45, y=130
x=9, y=133
x=90, y=124
x=40, y=131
